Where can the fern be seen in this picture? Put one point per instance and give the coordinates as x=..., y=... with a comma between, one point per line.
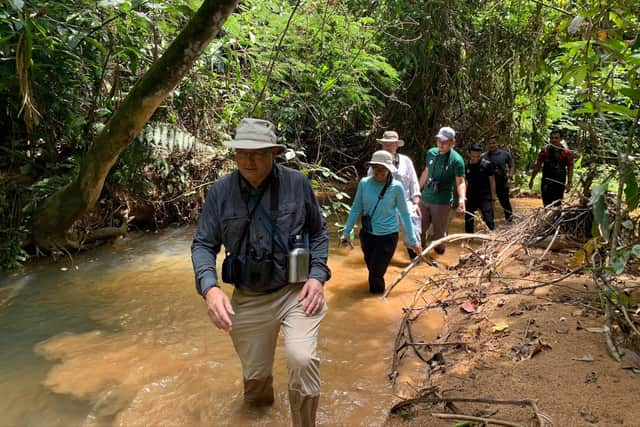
x=166, y=138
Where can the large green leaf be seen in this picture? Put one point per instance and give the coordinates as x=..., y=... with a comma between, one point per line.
x=632, y=93
x=618, y=264
x=636, y=43
x=618, y=109
x=599, y=207
x=630, y=188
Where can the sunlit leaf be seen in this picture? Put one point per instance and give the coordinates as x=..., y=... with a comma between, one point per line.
x=578, y=259
x=618, y=109
x=110, y=3
x=17, y=4
x=575, y=25
x=587, y=108
x=590, y=247
x=499, y=327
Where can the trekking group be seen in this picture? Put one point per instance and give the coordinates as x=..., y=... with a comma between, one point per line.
x=275, y=239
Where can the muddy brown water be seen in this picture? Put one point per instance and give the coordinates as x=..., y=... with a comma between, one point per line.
x=118, y=337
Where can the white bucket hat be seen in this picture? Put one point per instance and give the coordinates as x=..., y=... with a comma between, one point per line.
x=446, y=134
x=255, y=134
x=383, y=158
x=390, y=136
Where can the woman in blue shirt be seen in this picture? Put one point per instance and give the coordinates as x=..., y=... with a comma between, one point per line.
x=380, y=199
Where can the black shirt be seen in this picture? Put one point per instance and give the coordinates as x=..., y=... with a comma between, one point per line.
x=477, y=175
x=501, y=160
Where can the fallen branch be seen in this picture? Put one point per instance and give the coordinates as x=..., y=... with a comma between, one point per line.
x=432, y=245
x=535, y=260
x=403, y=324
x=543, y=419
x=483, y=421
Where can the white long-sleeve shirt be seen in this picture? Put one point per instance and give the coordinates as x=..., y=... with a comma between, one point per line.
x=406, y=175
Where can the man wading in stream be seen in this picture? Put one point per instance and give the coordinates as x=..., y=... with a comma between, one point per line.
x=257, y=213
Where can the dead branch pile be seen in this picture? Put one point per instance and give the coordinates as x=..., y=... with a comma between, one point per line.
x=547, y=228
x=550, y=228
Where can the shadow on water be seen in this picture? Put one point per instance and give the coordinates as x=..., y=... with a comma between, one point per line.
x=121, y=338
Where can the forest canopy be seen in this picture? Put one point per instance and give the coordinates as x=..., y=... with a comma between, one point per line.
x=332, y=75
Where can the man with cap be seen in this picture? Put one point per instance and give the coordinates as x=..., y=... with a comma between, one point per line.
x=379, y=200
x=255, y=212
x=504, y=171
x=481, y=188
x=406, y=174
x=443, y=186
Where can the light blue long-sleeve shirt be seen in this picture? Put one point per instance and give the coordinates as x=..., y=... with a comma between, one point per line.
x=384, y=218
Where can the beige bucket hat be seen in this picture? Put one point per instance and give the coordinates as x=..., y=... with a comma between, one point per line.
x=383, y=158
x=255, y=134
x=390, y=136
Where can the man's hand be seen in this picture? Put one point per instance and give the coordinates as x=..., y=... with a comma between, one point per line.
x=344, y=241
x=219, y=308
x=461, y=206
x=416, y=202
x=313, y=295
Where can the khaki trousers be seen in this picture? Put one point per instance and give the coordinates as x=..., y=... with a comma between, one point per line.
x=256, y=324
x=438, y=215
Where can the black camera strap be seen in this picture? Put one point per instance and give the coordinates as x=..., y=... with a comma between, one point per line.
x=445, y=166
x=250, y=209
x=382, y=192
x=267, y=220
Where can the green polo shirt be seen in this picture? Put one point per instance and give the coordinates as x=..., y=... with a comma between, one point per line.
x=444, y=168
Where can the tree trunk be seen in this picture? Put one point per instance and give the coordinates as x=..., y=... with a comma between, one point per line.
x=56, y=215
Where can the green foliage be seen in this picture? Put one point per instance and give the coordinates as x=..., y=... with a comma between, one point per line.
x=12, y=232
x=325, y=76
x=11, y=253
x=600, y=65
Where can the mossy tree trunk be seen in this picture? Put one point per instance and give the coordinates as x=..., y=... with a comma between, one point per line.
x=58, y=213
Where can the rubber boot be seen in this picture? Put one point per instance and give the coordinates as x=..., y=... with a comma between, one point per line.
x=303, y=409
x=259, y=392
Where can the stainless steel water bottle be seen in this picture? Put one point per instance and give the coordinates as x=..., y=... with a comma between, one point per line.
x=298, y=261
